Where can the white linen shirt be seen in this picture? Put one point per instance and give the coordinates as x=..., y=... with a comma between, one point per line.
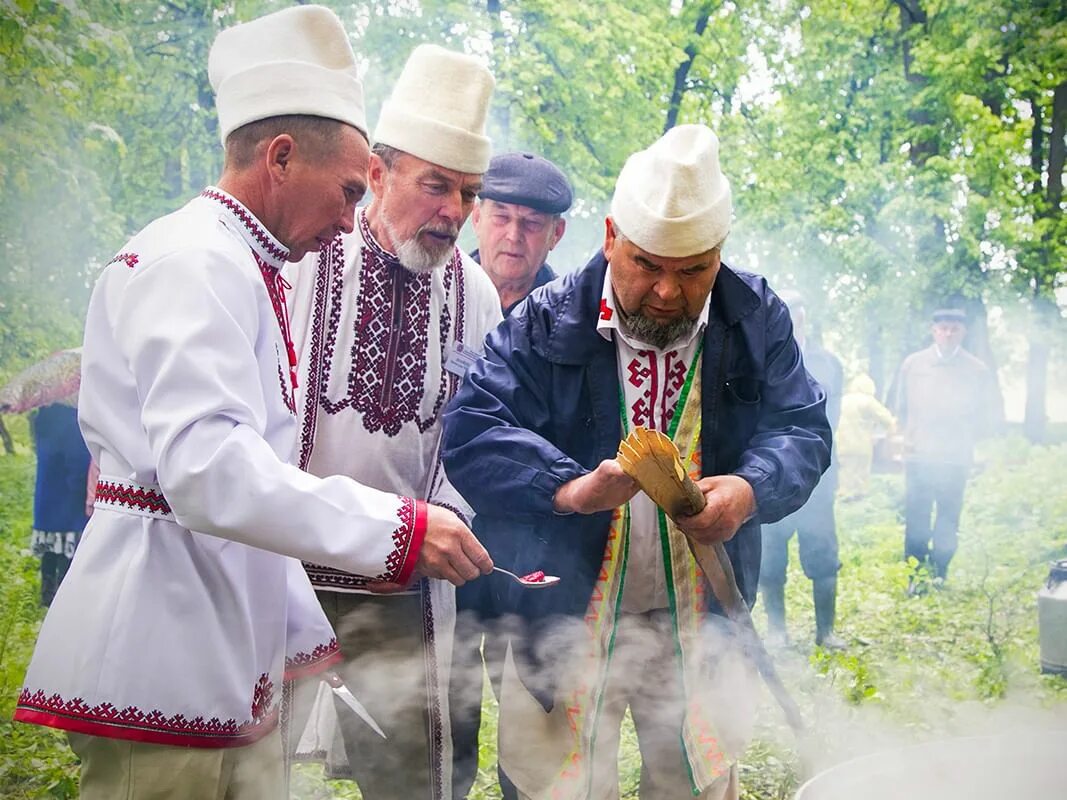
x=184, y=606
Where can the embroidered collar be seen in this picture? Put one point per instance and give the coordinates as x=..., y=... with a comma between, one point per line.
x=373, y=244
x=263, y=244
x=609, y=321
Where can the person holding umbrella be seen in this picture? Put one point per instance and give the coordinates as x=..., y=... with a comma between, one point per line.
x=48, y=390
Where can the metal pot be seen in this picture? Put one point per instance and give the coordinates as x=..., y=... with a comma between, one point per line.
x=1022, y=766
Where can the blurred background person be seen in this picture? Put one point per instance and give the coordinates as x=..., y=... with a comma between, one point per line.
x=59, y=495
x=863, y=419
x=62, y=503
x=518, y=221
x=945, y=399
x=814, y=522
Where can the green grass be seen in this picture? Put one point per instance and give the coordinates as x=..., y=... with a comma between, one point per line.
x=960, y=660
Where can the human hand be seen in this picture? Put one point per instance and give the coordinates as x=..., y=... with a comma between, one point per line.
x=603, y=489
x=730, y=501
x=449, y=550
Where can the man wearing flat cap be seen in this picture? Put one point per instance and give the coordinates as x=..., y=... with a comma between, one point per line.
x=944, y=399
x=518, y=222
x=386, y=319
x=654, y=331
x=164, y=653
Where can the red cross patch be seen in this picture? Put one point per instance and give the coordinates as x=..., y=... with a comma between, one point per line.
x=605, y=312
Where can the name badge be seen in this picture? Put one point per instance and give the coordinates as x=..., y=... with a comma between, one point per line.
x=460, y=358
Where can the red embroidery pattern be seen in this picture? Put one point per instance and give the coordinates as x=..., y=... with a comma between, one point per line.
x=129, y=259
x=660, y=384
x=303, y=660
x=276, y=287
x=252, y=225
x=387, y=377
x=137, y=498
x=131, y=717
x=605, y=312
x=433, y=694
x=262, y=698
x=331, y=262
x=327, y=577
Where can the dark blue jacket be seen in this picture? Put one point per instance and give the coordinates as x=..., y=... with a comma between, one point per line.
x=62, y=470
x=543, y=408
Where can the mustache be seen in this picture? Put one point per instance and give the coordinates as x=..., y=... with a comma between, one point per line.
x=451, y=231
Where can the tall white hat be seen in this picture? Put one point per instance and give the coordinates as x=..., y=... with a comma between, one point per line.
x=437, y=110
x=672, y=199
x=296, y=61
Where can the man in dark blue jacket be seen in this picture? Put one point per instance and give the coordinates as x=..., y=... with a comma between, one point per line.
x=813, y=524
x=655, y=331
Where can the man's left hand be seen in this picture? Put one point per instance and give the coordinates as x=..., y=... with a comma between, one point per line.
x=730, y=500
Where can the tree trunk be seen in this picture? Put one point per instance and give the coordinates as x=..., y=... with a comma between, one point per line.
x=876, y=356
x=681, y=74
x=1035, y=417
x=501, y=111
x=9, y=446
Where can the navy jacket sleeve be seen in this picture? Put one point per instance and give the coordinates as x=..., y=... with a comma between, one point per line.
x=493, y=446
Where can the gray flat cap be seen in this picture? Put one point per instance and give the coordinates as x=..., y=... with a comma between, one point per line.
x=949, y=315
x=527, y=180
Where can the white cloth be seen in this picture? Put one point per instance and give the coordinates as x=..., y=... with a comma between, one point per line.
x=652, y=381
x=381, y=351
x=176, y=619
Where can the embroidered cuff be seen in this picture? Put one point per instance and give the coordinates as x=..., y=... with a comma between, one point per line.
x=417, y=535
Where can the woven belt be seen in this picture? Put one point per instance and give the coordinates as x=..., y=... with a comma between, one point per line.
x=144, y=500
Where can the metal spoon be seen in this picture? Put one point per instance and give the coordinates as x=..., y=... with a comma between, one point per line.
x=546, y=581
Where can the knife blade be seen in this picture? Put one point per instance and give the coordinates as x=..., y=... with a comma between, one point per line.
x=337, y=686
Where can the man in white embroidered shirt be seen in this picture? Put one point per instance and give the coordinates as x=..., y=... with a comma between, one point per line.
x=386, y=321
x=164, y=653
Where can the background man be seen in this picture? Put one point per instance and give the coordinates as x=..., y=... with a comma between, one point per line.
x=386, y=320
x=813, y=523
x=945, y=399
x=654, y=331
x=518, y=222
x=163, y=653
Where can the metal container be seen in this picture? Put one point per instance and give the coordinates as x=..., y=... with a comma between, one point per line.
x=1052, y=619
x=1017, y=766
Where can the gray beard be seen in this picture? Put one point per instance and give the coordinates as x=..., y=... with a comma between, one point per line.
x=413, y=256
x=658, y=334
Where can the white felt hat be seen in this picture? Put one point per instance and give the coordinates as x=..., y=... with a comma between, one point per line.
x=437, y=110
x=672, y=199
x=296, y=61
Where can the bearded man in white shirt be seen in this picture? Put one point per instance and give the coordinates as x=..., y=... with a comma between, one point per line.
x=386, y=320
x=165, y=650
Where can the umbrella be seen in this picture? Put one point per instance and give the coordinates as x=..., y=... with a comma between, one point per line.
x=55, y=379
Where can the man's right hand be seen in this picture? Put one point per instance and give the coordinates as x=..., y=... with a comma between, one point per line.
x=603, y=489
x=449, y=550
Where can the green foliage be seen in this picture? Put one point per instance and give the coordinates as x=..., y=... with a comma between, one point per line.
x=34, y=762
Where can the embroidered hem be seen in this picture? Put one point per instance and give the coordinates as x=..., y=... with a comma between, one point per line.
x=304, y=665
x=151, y=727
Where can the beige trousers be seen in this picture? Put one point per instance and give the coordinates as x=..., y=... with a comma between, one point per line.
x=643, y=678
x=114, y=769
